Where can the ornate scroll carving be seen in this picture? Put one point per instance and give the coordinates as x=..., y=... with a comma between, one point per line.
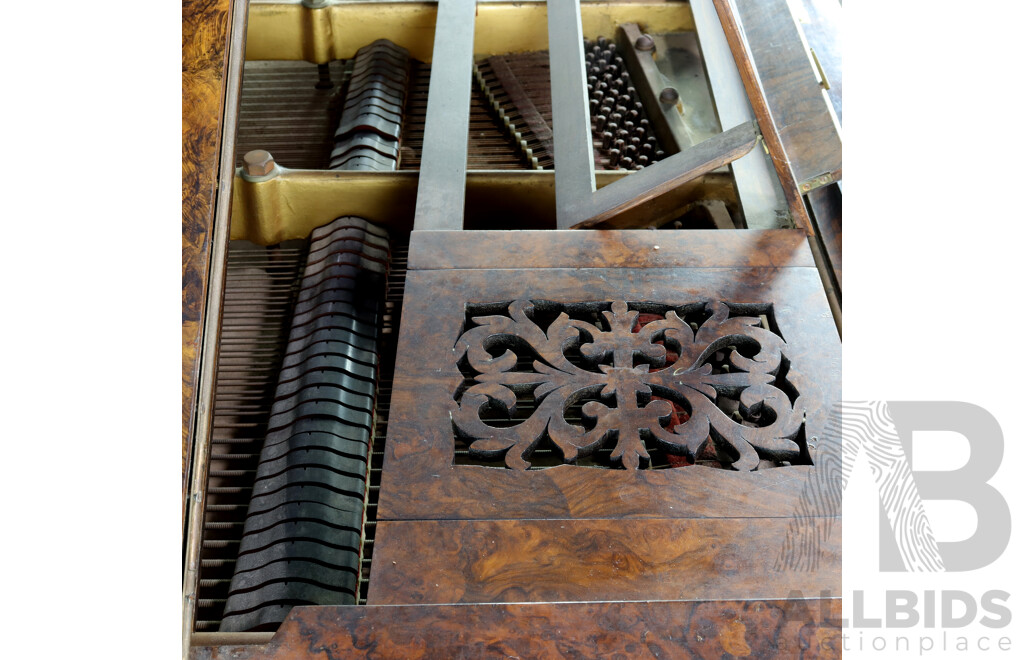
x=708, y=378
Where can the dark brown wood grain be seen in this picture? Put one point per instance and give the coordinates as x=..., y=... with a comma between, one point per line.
x=449, y=531
x=420, y=482
x=503, y=561
x=774, y=248
x=827, y=207
x=798, y=108
x=773, y=141
x=204, y=33
x=762, y=111
x=633, y=202
x=809, y=628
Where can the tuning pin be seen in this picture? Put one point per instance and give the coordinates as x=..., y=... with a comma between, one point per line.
x=613, y=69
x=638, y=167
x=613, y=157
x=659, y=154
x=634, y=115
x=631, y=150
x=598, y=95
x=626, y=162
x=591, y=80
x=641, y=161
x=600, y=121
x=611, y=48
x=629, y=126
x=620, y=145
x=612, y=126
x=602, y=42
x=606, y=139
x=640, y=132
x=593, y=105
x=622, y=134
x=616, y=117
x=647, y=149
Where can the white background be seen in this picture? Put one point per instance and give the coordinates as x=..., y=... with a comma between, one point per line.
x=932, y=255
x=91, y=282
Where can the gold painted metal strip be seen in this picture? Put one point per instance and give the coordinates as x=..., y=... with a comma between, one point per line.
x=294, y=202
x=291, y=31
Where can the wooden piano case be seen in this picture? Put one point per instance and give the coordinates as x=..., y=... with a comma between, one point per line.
x=598, y=443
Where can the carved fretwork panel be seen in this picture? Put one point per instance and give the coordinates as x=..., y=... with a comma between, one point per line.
x=686, y=362
x=683, y=363
x=605, y=383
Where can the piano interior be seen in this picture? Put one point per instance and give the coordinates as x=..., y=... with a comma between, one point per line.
x=484, y=407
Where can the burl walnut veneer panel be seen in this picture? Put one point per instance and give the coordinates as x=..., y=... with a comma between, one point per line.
x=515, y=561
x=753, y=628
x=204, y=35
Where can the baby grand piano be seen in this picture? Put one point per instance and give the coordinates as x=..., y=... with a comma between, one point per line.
x=511, y=329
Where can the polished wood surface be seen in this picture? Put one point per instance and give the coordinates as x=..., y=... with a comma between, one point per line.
x=795, y=98
x=756, y=93
x=809, y=628
x=204, y=34
x=727, y=14
x=420, y=480
x=827, y=208
x=698, y=248
x=449, y=531
x=639, y=199
x=505, y=561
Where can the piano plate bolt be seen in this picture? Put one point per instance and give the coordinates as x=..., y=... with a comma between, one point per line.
x=258, y=163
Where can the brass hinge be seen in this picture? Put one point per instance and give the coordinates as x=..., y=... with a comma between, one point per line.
x=816, y=182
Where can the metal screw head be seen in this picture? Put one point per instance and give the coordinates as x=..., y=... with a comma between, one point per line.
x=258, y=163
x=668, y=95
x=644, y=42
